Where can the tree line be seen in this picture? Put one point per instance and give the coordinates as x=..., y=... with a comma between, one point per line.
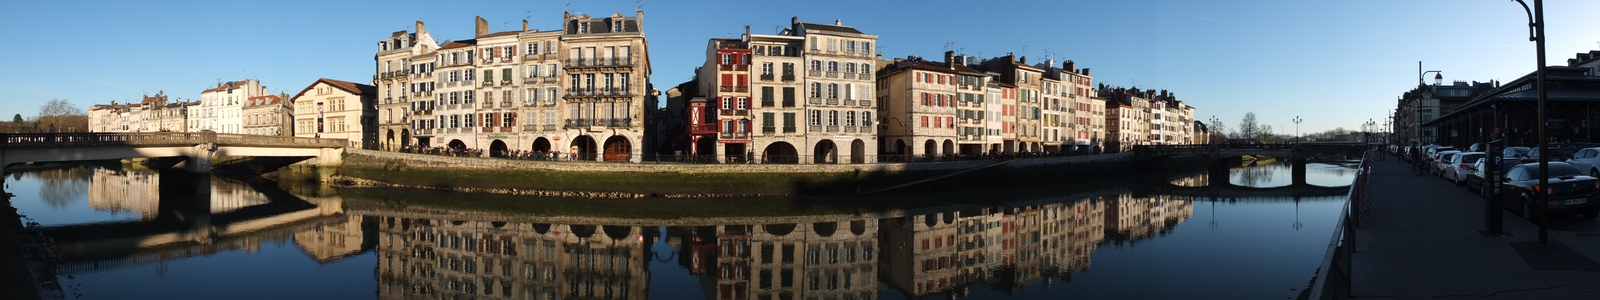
x=58, y=115
x=1250, y=130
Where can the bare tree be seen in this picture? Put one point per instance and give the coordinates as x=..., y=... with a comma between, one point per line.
x=62, y=116
x=1248, y=127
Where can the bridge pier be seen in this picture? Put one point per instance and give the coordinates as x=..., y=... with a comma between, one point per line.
x=186, y=198
x=1218, y=174
x=1298, y=170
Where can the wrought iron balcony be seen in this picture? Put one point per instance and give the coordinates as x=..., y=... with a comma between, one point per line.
x=849, y=102
x=788, y=77
x=833, y=101
x=815, y=100
x=833, y=128
x=814, y=73
x=704, y=128
x=766, y=77
x=865, y=102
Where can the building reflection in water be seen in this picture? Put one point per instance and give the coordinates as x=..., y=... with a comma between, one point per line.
x=445, y=259
x=821, y=259
x=119, y=191
x=430, y=256
x=825, y=257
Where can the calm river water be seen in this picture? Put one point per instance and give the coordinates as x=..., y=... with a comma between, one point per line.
x=131, y=235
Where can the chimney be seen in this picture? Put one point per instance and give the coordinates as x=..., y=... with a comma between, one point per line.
x=838, y=22
x=747, y=32
x=1069, y=66
x=794, y=22
x=419, y=26
x=482, y=26
x=1023, y=60
x=524, y=25
x=1085, y=71
x=950, y=59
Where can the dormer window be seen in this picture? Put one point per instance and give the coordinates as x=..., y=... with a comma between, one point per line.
x=616, y=26
x=583, y=27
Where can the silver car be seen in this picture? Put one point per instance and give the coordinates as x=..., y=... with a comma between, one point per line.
x=1586, y=160
x=1460, y=165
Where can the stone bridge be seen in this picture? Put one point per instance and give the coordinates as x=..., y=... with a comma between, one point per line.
x=1217, y=151
x=195, y=149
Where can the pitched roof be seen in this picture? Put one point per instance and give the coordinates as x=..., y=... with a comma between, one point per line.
x=825, y=27
x=459, y=44
x=351, y=87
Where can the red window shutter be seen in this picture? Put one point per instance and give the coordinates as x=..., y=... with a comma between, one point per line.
x=727, y=79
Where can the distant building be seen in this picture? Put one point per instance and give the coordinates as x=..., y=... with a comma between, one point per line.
x=221, y=108
x=337, y=109
x=268, y=115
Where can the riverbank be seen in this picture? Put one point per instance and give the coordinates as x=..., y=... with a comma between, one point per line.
x=373, y=169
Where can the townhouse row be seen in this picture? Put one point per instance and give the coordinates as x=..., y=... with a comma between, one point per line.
x=808, y=93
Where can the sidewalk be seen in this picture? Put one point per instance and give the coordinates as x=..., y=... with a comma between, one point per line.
x=1423, y=242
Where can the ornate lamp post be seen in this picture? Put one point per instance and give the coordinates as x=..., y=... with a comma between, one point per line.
x=1297, y=121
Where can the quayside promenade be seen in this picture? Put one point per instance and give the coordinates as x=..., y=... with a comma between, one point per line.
x=1421, y=240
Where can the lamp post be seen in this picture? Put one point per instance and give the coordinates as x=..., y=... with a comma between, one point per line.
x=1297, y=121
x=1214, y=133
x=1536, y=34
x=1438, y=76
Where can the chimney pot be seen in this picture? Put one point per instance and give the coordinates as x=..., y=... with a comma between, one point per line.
x=482, y=26
x=1022, y=60
x=419, y=26
x=838, y=22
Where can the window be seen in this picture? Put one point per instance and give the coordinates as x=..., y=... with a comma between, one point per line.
x=833, y=118
x=850, y=118
x=766, y=96
x=788, y=96
x=767, y=127
x=788, y=122
x=766, y=69
x=924, y=122
x=788, y=70
x=744, y=103
x=816, y=65
x=727, y=103
x=727, y=59
x=816, y=118
x=533, y=48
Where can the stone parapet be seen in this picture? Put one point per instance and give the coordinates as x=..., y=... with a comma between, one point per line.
x=384, y=159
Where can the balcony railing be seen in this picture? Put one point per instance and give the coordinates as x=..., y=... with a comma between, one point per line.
x=788, y=77
x=789, y=129
x=769, y=129
x=549, y=127
x=530, y=127
x=387, y=100
x=624, y=122
x=849, y=129
x=766, y=77
x=849, y=75
x=506, y=104
x=865, y=102
x=487, y=83
x=733, y=112
x=849, y=102
x=814, y=128
x=833, y=101
x=703, y=128
x=815, y=100
x=600, y=62
x=578, y=123
x=833, y=74
x=530, y=80
x=814, y=73
x=741, y=89
x=833, y=128
x=866, y=129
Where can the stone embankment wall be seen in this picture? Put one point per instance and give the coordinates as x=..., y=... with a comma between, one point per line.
x=390, y=159
x=371, y=169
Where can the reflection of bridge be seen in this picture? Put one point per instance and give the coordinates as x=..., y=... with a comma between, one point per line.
x=1234, y=192
x=1235, y=150
x=196, y=148
x=186, y=226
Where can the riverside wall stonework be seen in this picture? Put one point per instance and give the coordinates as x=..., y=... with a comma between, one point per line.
x=384, y=159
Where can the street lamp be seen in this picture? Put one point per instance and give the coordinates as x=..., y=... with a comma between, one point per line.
x=1536, y=34
x=1297, y=121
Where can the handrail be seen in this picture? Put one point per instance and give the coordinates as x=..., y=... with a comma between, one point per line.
x=1333, y=280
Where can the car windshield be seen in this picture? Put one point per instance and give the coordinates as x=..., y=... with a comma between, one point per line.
x=1517, y=150
x=1471, y=157
x=1556, y=170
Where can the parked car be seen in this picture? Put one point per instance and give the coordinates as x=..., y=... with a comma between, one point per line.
x=1475, y=174
x=1555, y=155
x=1476, y=147
x=1515, y=152
x=1433, y=152
x=1587, y=160
x=1570, y=192
x=1456, y=171
x=1442, y=162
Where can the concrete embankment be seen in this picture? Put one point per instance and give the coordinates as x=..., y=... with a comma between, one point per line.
x=621, y=180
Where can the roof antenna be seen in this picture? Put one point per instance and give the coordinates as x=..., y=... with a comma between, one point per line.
x=638, y=5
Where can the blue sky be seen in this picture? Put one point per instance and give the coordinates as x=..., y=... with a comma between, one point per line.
x=1332, y=63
